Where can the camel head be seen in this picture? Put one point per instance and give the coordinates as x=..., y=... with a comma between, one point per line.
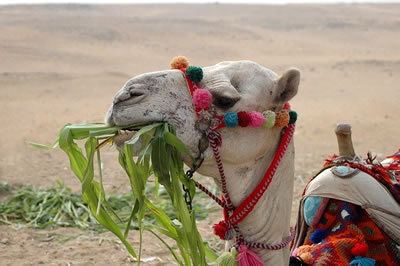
x=234, y=85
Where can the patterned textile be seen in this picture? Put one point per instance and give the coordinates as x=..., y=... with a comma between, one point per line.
x=345, y=234
x=392, y=164
x=386, y=172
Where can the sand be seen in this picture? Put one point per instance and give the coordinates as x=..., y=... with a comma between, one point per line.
x=62, y=64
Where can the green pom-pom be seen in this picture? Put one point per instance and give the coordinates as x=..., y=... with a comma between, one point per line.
x=293, y=117
x=270, y=118
x=194, y=73
x=227, y=258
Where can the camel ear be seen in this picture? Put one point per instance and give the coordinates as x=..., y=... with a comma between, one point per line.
x=287, y=86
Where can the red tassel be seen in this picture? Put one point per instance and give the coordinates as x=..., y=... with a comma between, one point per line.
x=220, y=229
x=360, y=249
x=246, y=257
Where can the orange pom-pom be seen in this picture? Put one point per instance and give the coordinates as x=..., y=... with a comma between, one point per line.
x=282, y=119
x=307, y=258
x=179, y=62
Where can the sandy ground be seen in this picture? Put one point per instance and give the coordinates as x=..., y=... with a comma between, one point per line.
x=62, y=64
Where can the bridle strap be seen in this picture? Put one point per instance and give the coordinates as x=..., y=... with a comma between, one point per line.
x=215, y=140
x=189, y=84
x=233, y=216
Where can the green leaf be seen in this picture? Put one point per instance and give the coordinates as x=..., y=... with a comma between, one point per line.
x=160, y=152
x=177, y=144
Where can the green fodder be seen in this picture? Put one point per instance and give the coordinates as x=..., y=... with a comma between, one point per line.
x=41, y=208
x=59, y=206
x=160, y=155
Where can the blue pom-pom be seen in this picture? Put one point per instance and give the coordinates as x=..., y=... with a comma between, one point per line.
x=362, y=261
x=318, y=235
x=231, y=119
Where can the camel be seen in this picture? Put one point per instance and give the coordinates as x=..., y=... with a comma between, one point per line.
x=245, y=152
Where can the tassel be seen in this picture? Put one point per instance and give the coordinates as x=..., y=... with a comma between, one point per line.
x=246, y=257
x=221, y=229
x=362, y=261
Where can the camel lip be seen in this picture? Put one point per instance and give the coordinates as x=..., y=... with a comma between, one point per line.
x=137, y=126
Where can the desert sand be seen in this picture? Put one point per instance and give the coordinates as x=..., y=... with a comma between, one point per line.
x=63, y=64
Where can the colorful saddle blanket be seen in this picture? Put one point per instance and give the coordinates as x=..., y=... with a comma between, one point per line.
x=335, y=232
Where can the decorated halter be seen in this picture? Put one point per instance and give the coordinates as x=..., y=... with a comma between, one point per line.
x=209, y=123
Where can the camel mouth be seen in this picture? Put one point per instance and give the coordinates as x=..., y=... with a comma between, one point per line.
x=134, y=127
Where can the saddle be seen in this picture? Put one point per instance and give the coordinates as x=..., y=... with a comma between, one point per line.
x=349, y=213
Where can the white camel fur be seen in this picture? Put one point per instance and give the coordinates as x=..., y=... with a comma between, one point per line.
x=245, y=152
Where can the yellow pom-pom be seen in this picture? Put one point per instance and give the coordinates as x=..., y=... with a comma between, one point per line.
x=282, y=119
x=179, y=62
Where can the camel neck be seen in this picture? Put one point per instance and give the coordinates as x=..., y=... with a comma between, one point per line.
x=269, y=222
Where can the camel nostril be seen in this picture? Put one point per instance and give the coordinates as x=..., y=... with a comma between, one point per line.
x=121, y=96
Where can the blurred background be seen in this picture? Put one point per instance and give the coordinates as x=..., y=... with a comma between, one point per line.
x=62, y=63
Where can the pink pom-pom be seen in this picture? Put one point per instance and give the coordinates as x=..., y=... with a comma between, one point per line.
x=202, y=99
x=256, y=119
x=246, y=257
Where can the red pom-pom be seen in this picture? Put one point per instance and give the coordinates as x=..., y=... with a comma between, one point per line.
x=202, y=99
x=220, y=229
x=286, y=106
x=360, y=249
x=244, y=119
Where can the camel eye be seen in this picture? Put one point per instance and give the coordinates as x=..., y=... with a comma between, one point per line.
x=224, y=102
x=136, y=93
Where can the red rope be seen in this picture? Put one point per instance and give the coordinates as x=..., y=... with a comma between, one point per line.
x=214, y=138
x=189, y=83
x=250, y=202
x=210, y=194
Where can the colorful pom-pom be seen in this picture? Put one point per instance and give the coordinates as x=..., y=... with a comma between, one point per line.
x=194, y=73
x=179, y=62
x=227, y=258
x=318, y=235
x=359, y=249
x=286, y=106
x=292, y=117
x=256, y=119
x=231, y=119
x=269, y=119
x=221, y=229
x=361, y=261
x=244, y=119
x=282, y=119
x=202, y=99
x=307, y=258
